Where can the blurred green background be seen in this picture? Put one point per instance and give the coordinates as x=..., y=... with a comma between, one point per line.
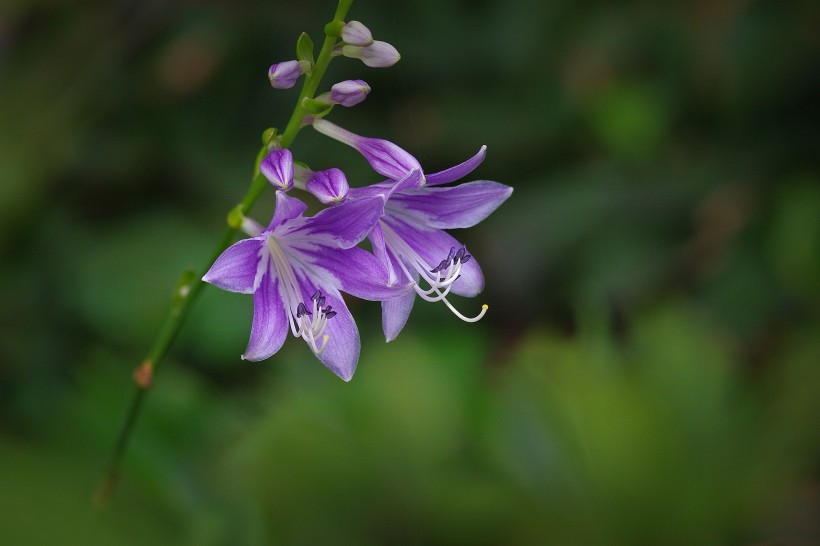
x=649, y=369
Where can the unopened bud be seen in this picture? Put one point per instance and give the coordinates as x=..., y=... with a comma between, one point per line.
x=376, y=55
x=349, y=92
x=278, y=169
x=329, y=187
x=284, y=75
x=356, y=34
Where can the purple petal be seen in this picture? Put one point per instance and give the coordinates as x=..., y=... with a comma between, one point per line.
x=387, y=158
x=239, y=268
x=345, y=225
x=395, y=313
x=270, y=323
x=384, y=157
x=357, y=272
x=387, y=188
x=341, y=353
x=287, y=208
x=459, y=171
x=376, y=239
x=433, y=245
x=459, y=206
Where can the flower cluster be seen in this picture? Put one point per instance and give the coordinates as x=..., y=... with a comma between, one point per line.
x=298, y=266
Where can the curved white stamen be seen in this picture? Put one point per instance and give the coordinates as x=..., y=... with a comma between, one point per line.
x=407, y=256
x=311, y=325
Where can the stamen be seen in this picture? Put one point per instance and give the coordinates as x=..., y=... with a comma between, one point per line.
x=462, y=317
x=301, y=310
x=446, y=272
x=308, y=324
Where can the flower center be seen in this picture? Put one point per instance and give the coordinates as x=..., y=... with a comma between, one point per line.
x=309, y=323
x=439, y=279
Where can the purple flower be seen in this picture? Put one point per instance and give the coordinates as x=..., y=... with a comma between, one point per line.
x=284, y=75
x=410, y=241
x=295, y=269
x=349, y=92
x=376, y=55
x=385, y=157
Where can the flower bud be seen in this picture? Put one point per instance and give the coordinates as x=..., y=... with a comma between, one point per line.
x=329, y=187
x=376, y=55
x=384, y=157
x=356, y=34
x=284, y=75
x=349, y=92
x=278, y=169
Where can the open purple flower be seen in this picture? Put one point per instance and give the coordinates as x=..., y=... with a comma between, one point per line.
x=411, y=242
x=295, y=269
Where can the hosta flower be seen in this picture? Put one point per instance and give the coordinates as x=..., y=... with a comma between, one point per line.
x=411, y=242
x=295, y=269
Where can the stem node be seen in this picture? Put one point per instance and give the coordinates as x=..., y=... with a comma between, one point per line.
x=144, y=374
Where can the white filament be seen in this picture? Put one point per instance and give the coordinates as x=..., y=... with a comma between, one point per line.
x=309, y=327
x=406, y=255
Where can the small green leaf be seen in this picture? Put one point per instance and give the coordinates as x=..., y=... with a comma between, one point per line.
x=317, y=107
x=268, y=135
x=304, y=48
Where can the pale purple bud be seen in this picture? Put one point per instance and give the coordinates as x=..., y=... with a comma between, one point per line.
x=376, y=55
x=356, y=34
x=301, y=174
x=278, y=169
x=385, y=157
x=284, y=75
x=329, y=187
x=349, y=92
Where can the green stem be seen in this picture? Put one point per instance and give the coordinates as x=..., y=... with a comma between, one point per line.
x=190, y=286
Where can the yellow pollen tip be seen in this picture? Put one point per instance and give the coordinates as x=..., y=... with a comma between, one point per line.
x=485, y=306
